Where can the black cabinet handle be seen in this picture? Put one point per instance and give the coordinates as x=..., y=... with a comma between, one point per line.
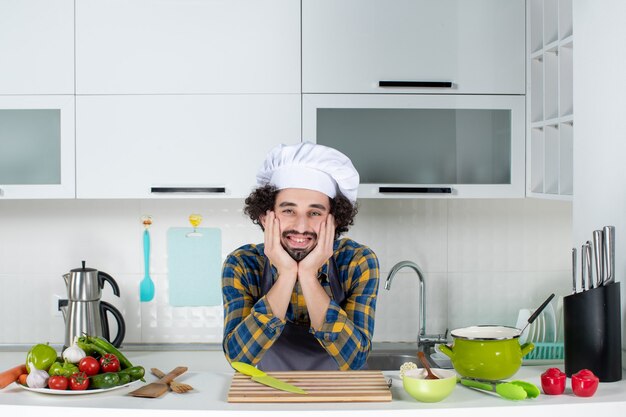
x=431, y=84
x=416, y=190
x=205, y=190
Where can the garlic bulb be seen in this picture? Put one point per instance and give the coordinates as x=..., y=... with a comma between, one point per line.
x=74, y=354
x=37, y=378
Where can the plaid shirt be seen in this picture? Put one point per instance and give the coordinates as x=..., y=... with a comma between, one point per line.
x=250, y=328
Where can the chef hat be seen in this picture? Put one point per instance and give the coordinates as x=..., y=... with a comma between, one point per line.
x=310, y=166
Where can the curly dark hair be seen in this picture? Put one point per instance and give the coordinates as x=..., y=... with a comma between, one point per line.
x=263, y=199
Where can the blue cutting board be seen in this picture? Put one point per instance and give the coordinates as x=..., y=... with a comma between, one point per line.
x=194, y=266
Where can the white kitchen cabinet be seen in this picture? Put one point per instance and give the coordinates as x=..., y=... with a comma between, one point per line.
x=160, y=146
x=36, y=46
x=550, y=101
x=424, y=146
x=349, y=46
x=37, y=146
x=187, y=46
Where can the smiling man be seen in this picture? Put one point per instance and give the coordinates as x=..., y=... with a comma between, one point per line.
x=304, y=299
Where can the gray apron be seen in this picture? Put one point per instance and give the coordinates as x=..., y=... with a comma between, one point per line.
x=296, y=349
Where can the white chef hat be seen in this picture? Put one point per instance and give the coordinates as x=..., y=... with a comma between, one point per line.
x=310, y=166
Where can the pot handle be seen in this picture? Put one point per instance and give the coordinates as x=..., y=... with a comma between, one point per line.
x=526, y=348
x=446, y=350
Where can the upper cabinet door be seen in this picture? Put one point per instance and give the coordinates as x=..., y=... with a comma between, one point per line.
x=37, y=146
x=187, y=46
x=350, y=46
x=37, y=47
x=162, y=146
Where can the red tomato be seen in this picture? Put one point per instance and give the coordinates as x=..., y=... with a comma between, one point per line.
x=553, y=381
x=109, y=363
x=89, y=365
x=57, y=382
x=79, y=381
x=584, y=383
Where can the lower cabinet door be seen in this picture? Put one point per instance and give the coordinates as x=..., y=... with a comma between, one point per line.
x=164, y=146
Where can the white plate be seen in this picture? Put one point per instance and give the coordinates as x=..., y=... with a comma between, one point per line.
x=522, y=320
x=550, y=324
x=541, y=337
x=73, y=392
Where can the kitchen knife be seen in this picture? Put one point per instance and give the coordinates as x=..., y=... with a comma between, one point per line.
x=598, y=251
x=263, y=378
x=589, y=265
x=609, y=254
x=574, y=265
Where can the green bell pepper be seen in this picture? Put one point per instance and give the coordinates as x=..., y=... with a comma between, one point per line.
x=65, y=369
x=41, y=356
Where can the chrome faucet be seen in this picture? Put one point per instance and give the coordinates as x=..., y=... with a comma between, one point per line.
x=422, y=339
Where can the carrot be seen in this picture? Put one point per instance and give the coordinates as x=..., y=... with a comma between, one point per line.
x=11, y=375
x=22, y=379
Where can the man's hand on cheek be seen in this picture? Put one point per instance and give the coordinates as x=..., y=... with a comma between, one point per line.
x=322, y=251
x=273, y=248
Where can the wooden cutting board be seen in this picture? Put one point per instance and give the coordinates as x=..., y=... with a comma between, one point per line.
x=322, y=386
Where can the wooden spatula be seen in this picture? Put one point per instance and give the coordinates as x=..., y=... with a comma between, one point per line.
x=158, y=388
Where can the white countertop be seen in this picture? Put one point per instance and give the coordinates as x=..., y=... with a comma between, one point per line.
x=211, y=375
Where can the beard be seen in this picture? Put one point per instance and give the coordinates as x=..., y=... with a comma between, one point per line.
x=298, y=254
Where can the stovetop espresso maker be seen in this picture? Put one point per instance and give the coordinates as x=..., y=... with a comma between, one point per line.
x=83, y=311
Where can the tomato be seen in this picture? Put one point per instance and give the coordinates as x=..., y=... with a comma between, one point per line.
x=57, y=382
x=89, y=365
x=79, y=381
x=584, y=383
x=553, y=381
x=109, y=363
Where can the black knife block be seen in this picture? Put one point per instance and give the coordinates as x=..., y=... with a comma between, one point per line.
x=592, y=332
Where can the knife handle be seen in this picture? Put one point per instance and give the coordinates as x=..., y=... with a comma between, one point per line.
x=179, y=370
x=583, y=268
x=589, y=264
x=598, y=251
x=609, y=253
x=574, y=266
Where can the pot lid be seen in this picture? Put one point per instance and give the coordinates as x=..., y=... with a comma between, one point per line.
x=486, y=333
x=83, y=269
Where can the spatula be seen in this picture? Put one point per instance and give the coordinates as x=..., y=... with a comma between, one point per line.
x=160, y=387
x=429, y=373
x=146, y=286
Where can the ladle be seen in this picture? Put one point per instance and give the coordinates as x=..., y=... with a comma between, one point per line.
x=537, y=312
x=422, y=359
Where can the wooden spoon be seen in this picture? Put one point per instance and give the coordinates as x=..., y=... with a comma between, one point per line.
x=422, y=359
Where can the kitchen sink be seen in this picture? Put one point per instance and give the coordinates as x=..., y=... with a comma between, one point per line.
x=390, y=361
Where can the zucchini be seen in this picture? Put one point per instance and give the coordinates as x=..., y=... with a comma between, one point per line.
x=106, y=380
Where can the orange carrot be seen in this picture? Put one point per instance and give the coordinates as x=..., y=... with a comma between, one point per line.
x=11, y=375
x=22, y=379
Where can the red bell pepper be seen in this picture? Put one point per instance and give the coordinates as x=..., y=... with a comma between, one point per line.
x=553, y=381
x=584, y=383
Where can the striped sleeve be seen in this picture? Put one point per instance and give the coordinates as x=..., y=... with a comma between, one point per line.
x=250, y=328
x=347, y=332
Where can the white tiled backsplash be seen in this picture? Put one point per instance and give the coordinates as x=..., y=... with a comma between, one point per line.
x=483, y=260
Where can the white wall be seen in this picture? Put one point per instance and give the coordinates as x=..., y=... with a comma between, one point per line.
x=483, y=260
x=599, y=130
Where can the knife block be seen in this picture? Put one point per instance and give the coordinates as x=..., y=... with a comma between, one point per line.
x=592, y=332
